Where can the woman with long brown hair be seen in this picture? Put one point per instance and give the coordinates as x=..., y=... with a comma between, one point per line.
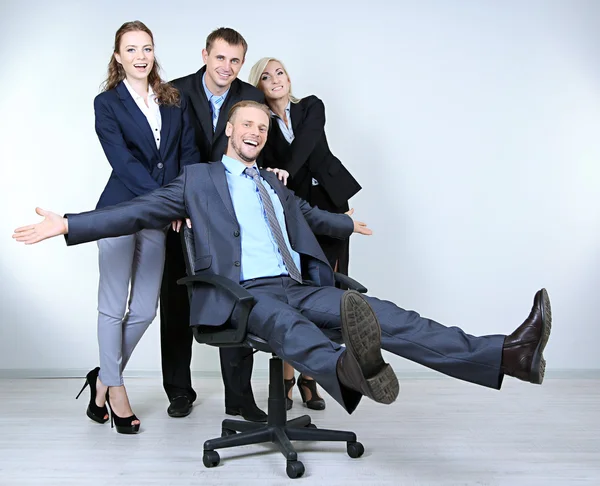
x=142, y=124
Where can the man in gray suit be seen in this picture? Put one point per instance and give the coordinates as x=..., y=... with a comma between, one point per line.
x=250, y=228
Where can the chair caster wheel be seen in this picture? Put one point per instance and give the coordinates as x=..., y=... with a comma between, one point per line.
x=311, y=426
x=294, y=469
x=211, y=458
x=226, y=432
x=355, y=449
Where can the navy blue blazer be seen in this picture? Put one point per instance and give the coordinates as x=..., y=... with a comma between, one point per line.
x=128, y=142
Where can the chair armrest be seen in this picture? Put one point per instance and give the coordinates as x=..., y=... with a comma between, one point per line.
x=349, y=282
x=234, y=332
x=237, y=291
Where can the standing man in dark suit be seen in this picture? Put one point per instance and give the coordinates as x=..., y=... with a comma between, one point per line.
x=251, y=229
x=211, y=92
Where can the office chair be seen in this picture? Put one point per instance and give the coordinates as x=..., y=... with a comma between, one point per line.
x=278, y=429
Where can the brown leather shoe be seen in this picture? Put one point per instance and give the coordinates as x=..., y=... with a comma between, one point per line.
x=361, y=367
x=522, y=352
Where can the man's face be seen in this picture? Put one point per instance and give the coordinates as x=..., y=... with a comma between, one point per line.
x=223, y=64
x=247, y=132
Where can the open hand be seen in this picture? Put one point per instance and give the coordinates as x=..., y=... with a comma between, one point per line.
x=52, y=225
x=359, y=227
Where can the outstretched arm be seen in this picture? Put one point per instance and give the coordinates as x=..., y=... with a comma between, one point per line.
x=331, y=224
x=151, y=211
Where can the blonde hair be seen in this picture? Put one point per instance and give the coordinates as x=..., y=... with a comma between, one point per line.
x=260, y=66
x=248, y=104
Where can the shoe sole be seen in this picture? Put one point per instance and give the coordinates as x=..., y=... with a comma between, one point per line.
x=538, y=363
x=179, y=414
x=362, y=335
x=235, y=413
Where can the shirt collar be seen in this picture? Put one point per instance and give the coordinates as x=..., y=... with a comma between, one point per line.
x=235, y=167
x=134, y=93
x=287, y=111
x=208, y=92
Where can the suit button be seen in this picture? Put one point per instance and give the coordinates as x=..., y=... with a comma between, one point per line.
x=237, y=264
x=160, y=165
x=236, y=233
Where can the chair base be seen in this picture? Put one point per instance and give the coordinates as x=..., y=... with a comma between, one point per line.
x=277, y=430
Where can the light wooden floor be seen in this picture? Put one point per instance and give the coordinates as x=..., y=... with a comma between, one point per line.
x=440, y=431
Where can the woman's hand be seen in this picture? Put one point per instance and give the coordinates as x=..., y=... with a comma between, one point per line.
x=281, y=174
x=176, y=225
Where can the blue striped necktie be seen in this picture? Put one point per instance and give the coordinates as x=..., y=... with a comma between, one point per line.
x=216, y=102
x=275, y=227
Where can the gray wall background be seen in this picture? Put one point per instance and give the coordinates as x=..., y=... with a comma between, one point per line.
x=472, y=126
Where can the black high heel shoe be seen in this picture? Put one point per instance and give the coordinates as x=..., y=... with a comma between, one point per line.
x=315, y=402
x=122, y=424
x=288, y=386
x=93, y=411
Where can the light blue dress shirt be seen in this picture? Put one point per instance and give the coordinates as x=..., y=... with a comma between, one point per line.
x=260, y=254
x=287, y=130
x=209, y=95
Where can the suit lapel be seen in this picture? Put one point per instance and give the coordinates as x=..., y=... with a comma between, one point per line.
x=271, y=178
x=166, y=113
x=136, y=114
x=279, y=143
x=217, y=173
x=297, y=114
x=232, y=98
x=200, y=103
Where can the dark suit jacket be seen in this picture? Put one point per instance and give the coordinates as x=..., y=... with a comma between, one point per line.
x=308, y=155
x=212, y=145
x=128, y=142
x=201, y=192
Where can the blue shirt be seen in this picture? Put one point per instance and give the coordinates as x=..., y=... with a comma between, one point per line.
x=260, y=254
x=208, y=93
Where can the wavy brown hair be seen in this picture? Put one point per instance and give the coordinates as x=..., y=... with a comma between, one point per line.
x=166, y=93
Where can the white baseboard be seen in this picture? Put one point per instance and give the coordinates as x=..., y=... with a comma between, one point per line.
x=29, y=373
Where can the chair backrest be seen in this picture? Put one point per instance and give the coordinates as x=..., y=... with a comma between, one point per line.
x=231, y=334
x=189, y=252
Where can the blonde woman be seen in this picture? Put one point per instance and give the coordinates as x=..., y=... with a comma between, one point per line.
x=298, y=144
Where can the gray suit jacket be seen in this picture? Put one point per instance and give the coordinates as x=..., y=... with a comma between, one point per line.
x=201, y=193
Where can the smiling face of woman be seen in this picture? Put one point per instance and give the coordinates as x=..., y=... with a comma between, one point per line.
x=274, y=81
x=136, y=54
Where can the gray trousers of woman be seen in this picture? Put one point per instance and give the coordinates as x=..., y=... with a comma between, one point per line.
x=131, y=269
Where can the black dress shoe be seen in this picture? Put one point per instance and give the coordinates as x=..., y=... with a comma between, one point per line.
x=361, y=367
x=522, y=352
x=250, y=412
x=180, y=407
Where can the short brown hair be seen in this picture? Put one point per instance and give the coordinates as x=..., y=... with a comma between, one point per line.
x=249, y=104
x=232, y=37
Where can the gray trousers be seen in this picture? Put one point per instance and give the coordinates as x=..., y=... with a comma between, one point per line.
x=290, y=317
x=131, y=270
